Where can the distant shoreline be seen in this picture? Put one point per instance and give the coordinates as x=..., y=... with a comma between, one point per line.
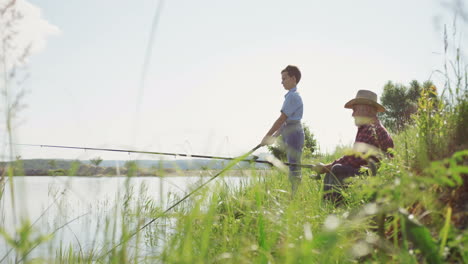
x=180, y=173
x=143, y=168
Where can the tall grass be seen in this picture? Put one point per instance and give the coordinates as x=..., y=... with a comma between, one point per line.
x=262, y=224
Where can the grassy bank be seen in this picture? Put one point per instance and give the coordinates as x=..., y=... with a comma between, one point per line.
x=395, y=217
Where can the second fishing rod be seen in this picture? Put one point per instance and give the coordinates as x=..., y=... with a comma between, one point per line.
x=253, y=159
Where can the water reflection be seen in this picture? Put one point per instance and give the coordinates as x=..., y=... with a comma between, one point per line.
x=93, y=206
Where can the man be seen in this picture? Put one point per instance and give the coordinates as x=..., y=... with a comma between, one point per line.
x=371, y=144
x=288, y=124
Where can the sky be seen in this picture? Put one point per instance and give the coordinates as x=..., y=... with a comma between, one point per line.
x=212, y=84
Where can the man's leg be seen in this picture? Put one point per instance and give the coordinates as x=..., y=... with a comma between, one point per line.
x=334, y=181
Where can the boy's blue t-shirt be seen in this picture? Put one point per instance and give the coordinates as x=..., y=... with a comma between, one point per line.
x=292, y=106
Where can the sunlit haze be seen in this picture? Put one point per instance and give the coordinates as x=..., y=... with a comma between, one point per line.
x=213, y=83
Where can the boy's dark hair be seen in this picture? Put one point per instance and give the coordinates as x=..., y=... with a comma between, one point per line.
x=293, y=71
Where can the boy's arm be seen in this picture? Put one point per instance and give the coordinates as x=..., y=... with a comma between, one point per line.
x=268, y=138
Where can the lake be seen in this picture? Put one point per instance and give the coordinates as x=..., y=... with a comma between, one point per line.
x=85, y=211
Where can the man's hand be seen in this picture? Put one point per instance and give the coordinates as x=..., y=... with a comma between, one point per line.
x=267, y=140
x=322, y=168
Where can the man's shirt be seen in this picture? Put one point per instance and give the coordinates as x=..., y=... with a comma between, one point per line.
x=292, y=106
x=372, y=134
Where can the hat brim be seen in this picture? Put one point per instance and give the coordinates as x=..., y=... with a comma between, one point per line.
x=364, y=101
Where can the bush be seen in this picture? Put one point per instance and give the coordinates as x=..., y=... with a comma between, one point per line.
x=310, y=146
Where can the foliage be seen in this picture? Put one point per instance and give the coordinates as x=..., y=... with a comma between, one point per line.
x=96, y=161
x=310, y=142
x=460, y=138
x=52, y=164
x=400, y=103
x=74, y=168
x=26, y=241
x=278, y=149
x=132, y=168
x=432, y=131
x=57, y=172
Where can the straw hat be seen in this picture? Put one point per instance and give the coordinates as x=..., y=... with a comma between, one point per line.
x=365, y=97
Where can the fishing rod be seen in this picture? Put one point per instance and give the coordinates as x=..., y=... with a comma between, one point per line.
x=254, y=159
x=230, y=165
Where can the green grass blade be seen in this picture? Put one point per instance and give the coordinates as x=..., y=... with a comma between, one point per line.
x=420, y=236
x=445, y=230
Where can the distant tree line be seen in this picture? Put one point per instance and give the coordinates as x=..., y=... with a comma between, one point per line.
x=401, y=102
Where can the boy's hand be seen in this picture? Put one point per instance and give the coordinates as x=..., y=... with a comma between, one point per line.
x=267, y=140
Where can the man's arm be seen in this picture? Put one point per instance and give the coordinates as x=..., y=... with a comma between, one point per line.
x=268, y=139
